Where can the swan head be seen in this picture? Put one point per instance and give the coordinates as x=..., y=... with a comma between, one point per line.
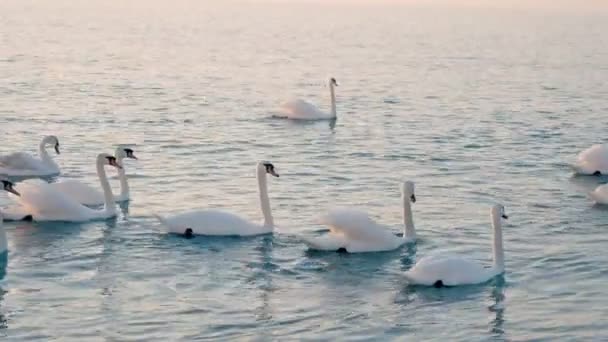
x=408, y=191
x=8, y=186
x=123, y=152
x=267, y=167
x=333, y=82
x=52, y=140
x=110, y=160
x=498, y=210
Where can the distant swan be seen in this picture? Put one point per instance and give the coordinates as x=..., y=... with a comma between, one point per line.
x=22, y=164
x=302, y=110
x=593, y=161
x=353, y=231
x=88, y=195
x=7, y=186
x=446, y=270
x=217, y=222
x=41, y=202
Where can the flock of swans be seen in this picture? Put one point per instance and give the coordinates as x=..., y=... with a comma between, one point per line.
x=350, y=230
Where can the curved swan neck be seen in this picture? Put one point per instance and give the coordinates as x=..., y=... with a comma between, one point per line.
x=44, y=155
x=109, y=204
x=3, y=239
x=499, y=253
x=264, y=200
x=333, y=98
x=409, y=231
x=124, y=184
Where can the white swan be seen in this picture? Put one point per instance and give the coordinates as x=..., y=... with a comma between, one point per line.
x=593, y=161
x=88, y=195
x=600, y=194
x=41, y=202
x=7, y=186
x=21, y=164
x=353, y=231
x=447, y=270
x=217, y=222
x=302, y=110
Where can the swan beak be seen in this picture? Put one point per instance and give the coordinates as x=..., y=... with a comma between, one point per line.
x=413, y=198
x=132, y=156
x=272, y=172
x=8, y=186
x=114, y=163
x=504, y=216
x=57, y=148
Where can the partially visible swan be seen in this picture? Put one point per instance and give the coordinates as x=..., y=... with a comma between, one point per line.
x=302, y=110
x=7, y=186
x=217, y=222
x=21, y=164
x=88, y=195
x=41, y=202
x=354, y=231
x=447, y=270
x=600, y=194
x=593, y=161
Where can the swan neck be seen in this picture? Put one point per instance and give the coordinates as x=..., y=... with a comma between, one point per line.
x=3, y=239
x=408, y=220
x=333, y=99
x=264, y=200
x=109, y=204
x=42, y=152
x=497, y=248
x=124, y=183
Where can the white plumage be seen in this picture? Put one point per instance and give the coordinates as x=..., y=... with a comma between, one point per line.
x=303, y=110
x=592, y=160
x=21, y=164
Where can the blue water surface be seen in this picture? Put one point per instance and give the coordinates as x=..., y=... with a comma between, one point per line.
x=476, y=106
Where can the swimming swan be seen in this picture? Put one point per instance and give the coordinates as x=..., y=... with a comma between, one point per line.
x=600, y=194
x=593, y=161
x=302, y=110
x=88, y=195
x=41, y=202
x=353, y=231
x=7, y=186
x=22, y=164
x=217, y=222
x=446, y=270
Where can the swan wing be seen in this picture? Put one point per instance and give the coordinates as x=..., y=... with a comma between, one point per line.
x=593, y=159
x=44, y=203
x=302, y=110
x=14, y=213
x=80, y=192
x=450, y=270
x=212, y=222
x=327, y=242
x=355, y=224
x=19, y=161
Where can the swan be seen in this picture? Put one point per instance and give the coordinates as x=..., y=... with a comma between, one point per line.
x=7, y=186
x=593, y=161
x=302, y=110
x=88, y=195
x=353, y=231
x=447, y=270
x=217, y=222
x=41, y=202
x=22, y=164
x=600, y=194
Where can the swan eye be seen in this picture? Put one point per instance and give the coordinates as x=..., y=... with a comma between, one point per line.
x=413, y=198
x=57, y=147
x=112, y=161
x=270, y=169
x=129, y=153
x=8, y=186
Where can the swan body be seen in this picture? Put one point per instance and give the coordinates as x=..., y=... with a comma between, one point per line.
x=218, y=222
x=354, y=231
x=303, y=110
x=88, y=195
x=452, y=270
x=600, y=194
x=21, y=164
x=41, y=202
x=593, y=161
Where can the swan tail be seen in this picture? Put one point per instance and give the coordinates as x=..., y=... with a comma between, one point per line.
x=161, y=219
